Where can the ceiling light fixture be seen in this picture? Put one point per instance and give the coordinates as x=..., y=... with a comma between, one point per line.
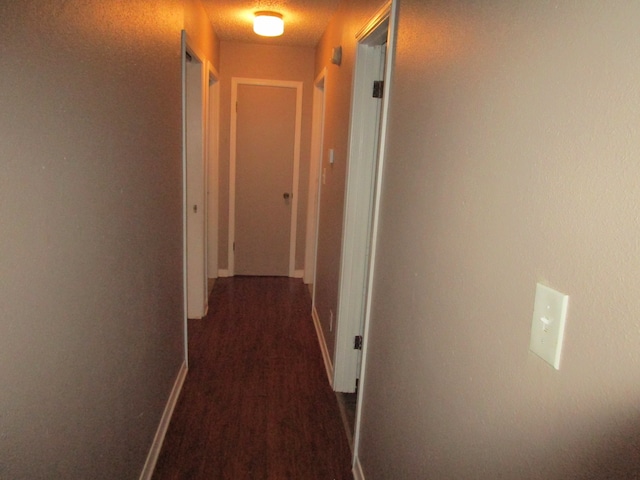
x=268, y=24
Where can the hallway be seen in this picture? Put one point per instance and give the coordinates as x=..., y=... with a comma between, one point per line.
x=256, y=403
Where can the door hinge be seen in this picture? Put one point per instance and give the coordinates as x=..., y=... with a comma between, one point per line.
x=378, y=88
x=357, y=344
x=234, y=246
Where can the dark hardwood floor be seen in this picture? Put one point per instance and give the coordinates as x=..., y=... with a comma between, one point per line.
x=256, y=403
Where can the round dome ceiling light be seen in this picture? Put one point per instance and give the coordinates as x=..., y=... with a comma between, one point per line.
x=268, y=24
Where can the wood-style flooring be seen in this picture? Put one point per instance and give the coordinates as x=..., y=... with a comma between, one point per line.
x=256, y=403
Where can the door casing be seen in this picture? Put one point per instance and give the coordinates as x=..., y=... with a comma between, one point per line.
x=200, y=105
x=213, y=156
x=360, y=213
x=235, y=81
x=315, y=184
x=362, y=205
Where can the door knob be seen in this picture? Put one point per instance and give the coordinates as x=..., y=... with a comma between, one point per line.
x=286, y=196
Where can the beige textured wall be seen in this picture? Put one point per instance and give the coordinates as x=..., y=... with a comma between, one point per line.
x=198, y=26
x=249, y=60
x=91, y=300
x=513, y=158
x=349, y=19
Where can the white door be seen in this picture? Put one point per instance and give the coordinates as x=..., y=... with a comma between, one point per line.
x=195, y=170
x=266, y=150
x=359, y=216
x=374, y=55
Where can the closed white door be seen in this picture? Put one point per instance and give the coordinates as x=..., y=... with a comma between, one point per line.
x=265, y=153
x=195, y=169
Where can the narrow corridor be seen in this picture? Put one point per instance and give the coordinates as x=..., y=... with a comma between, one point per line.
x=256, y=403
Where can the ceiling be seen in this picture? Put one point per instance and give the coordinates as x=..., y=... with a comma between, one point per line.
x=304, y=20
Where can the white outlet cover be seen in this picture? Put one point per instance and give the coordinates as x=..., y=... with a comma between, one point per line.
x=547, y=326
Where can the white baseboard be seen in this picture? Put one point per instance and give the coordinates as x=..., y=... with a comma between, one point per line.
x=323, y=346
x=223, y=273
x=358, y=474
x=156, y=446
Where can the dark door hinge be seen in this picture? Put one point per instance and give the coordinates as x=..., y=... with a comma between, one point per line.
x=378, y=88
x=357, y=344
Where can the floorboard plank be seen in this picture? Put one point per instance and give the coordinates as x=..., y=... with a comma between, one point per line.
x=256, y=403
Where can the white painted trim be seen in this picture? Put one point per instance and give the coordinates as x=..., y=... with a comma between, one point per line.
x=296, y=182
x=391, y=50
x=232, y=179
x=223, y=273
x=158, y=439
x=366, y=118
x=315, y=166
x=358, y=474
x=298, y=274
x=183, y=42
x=213, y=184
x=235, y=81
x=195, y=143
x=323, y=345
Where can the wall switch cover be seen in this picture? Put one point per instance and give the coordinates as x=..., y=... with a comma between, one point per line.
x=547, y=326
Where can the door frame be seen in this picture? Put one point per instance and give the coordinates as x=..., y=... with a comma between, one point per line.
x=213, y=177
x=200, y=131
x=389, y=13
x=235, y=81
x=362, y=205
x=366, y=144
x=315, y=184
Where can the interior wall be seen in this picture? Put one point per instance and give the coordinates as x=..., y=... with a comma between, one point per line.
x=91, y=290
x=249, y=60
x=513, y=159
x=345, y=24
x=201, y=33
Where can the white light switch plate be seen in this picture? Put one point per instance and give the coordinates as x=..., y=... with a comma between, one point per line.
x=547, y=326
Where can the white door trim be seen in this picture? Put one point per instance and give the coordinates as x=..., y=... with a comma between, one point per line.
x=367, y=116
x=195, y=124
x=235, y=81
x=388, y=11
x=356, y=240
x=183, y=70
x=213, y=179
x=315, y=188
